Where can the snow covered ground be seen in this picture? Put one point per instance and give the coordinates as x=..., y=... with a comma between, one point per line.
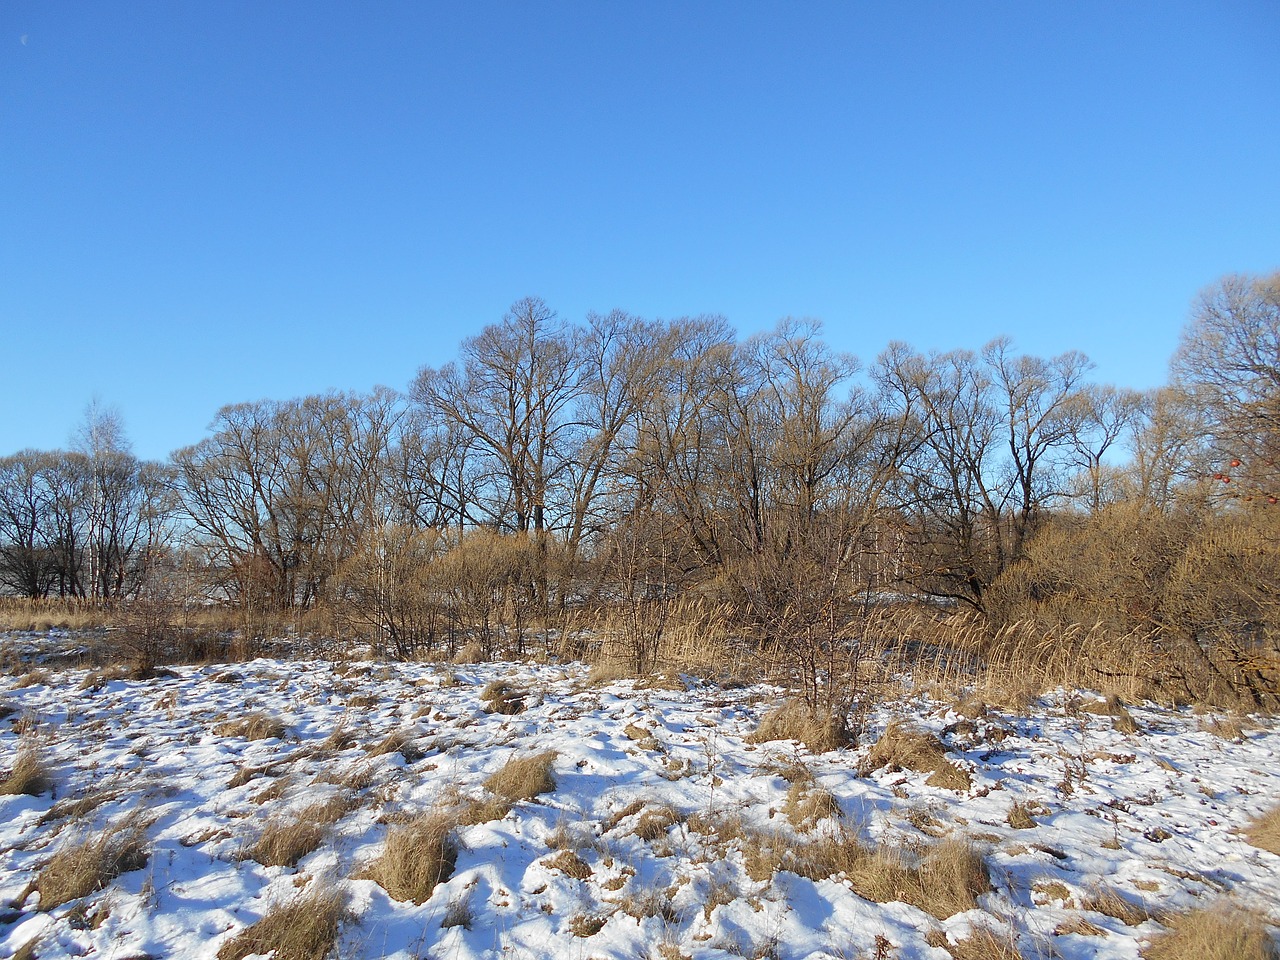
x=649, y=844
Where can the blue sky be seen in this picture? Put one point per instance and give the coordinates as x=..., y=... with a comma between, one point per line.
x=205, y=203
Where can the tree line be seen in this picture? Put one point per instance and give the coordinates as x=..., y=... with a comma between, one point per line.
x=630, y=461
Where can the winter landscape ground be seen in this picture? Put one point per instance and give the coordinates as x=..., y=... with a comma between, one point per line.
x=504, y=810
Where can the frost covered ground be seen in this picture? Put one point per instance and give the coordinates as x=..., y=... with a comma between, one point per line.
x=652, y=841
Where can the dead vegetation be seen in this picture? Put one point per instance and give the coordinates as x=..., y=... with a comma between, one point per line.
x=903, y=747
x=304, y=928
x=819, y=730
x=29, y=775
x=253, y=726
x=87, y=865
x=416, y=858
x=1216, y=932
x=523, y=778
x=1264, y=832
x=283, y=842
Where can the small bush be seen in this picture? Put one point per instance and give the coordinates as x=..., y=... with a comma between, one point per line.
x=82, y=868
x=302, y=929
x=524, y=778
x=28, y=775
x=902, y=747
x=1219, y=932
x=795, y=720
x=416, y=858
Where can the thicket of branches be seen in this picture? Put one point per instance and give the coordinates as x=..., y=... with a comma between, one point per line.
x=652, y=482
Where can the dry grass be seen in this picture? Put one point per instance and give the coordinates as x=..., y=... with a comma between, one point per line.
x=985, y=944
x=284, y=842
x=1217, y=932
x=1020, y=817
x=1264, y=832
x=902, y=747
x=254, y=726
x=402, y=742
x=302, y=929
x=805, y=806
x=796, y=720
x=81, y=868
x=946, y=880
x=416, y=858
x=28, y=775
x=40, y=616
x=654, y=822
x=503, y=698
x=570, y=864
x=483, y=811
x=523, y=778
x=329, y=811
x=1110, y=903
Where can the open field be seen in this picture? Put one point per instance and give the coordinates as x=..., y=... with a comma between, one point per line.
x=521, y=810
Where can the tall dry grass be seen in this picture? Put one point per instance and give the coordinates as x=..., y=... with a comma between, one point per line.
x=304, y=928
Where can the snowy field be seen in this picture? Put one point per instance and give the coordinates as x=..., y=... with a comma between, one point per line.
x=665, y=833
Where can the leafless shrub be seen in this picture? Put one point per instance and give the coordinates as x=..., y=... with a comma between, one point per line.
x=88, y=865
x=1217, y=932
x=523, y=778
x=28, y=775
x=254, y=726
x=416, y=858
x=302, y=929
x=902, y=747
x=819, y=730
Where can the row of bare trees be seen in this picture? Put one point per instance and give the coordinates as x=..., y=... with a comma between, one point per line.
x=633, y=462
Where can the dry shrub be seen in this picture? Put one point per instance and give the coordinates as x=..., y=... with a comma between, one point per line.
x=984, y=944
x=570, y=864
x=254, y=726
x=902, y=747
x=28, y=775
x=416, y=858
x=504, y=698
x=818, y=730
x=1217, y=932
x=302, y=929
x=1264, y=832
x=284, y=842
x=524, y=778
x=1110, y=903
x=806, y=806
x=81, y=868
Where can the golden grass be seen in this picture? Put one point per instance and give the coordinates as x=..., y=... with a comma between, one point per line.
x=902, y=747
x=523, y=778
x=985, y=944
x=503, y=698
x=283, y=843
x=806, y=805
x=1019, y=817
x=305, y=928
x=28, y=775
x=87, y=866
x=1264, y=832
x=1111, y=903
x=483, y=811
x=253, y=726
x=820, y=731
x=570, y=864
x=416, y=858
x=1217, y=932
x=402, y=742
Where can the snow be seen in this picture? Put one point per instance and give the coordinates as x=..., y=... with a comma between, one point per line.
x=1154, y=816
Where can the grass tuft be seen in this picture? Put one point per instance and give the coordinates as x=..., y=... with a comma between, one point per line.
x=284, y=842
x=902, y=747
x=302, y=929
x=28, y=775
x=1264, y=832
x=416, y=858
x=254, y=726
x=503, y=698
x=524, y=778
x=1216, y=932
x=85, y=867
x=796, y=720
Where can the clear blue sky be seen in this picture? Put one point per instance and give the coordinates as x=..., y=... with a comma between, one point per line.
x=204, y=203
